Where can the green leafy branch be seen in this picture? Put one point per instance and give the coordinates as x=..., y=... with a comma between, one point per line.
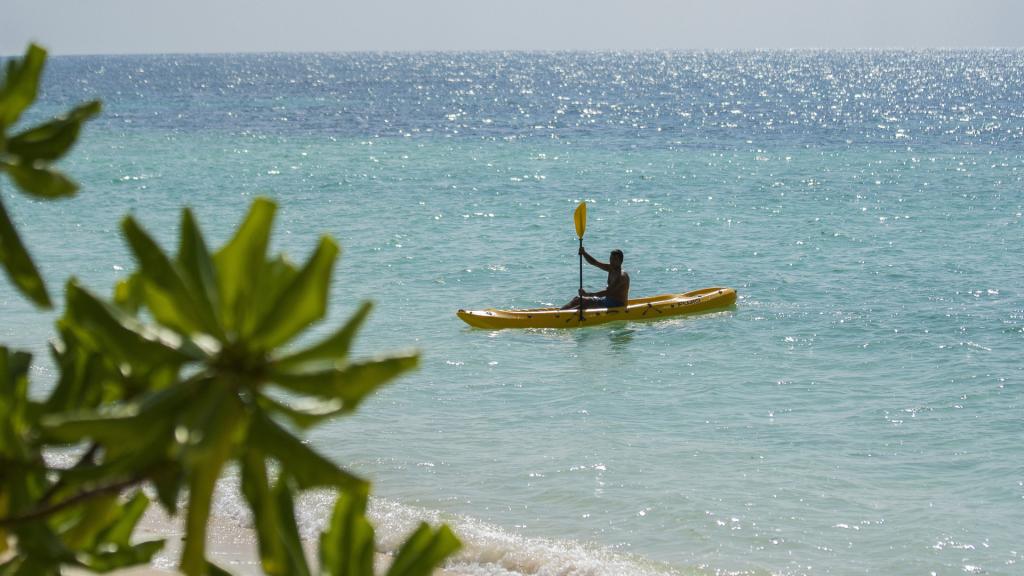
x=182, y=374
x=27, y=158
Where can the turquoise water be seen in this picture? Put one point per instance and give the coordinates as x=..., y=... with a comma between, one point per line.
x=858, y=412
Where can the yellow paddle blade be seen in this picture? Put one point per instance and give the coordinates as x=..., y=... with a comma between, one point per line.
x=580, y=218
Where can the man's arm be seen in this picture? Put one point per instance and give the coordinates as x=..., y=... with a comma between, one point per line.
x=594, y=261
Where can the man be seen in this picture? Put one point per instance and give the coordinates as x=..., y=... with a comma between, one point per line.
x=617, y=292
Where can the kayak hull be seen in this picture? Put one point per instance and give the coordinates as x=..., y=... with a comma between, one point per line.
x=650, y=308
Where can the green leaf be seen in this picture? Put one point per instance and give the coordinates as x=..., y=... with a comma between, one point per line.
x=32, y=565
x=335, y=347
x=214, y=416
x=256, y=489
x=169, y=481
x=218, y=435
x=276, y=276
x=89, y=375
x=123, y=338
x=167, y=295
x=303, y=302
x=39, y=180
x=39, y=544
x=347, y=547
x=53, y=139
x=15, y=424
x=350, y=383
x=20, y=84
x=305, y=412
x=240, y=261
x=120, y=531
x=424, y=551
x=214, y=570
x=195, y=262
x=13, y=372
x=306, y=466
x=24, y=483
x=125, y=425
x=120, y=462
x=129, y=293
x=18, y=263
x=95, y=515
x=121, y=556
x=83, y=374
x=288, y=530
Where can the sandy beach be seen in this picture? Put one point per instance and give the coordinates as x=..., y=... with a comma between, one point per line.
x=229, y=545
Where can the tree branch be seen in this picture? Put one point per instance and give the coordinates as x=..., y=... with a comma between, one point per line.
x=80, y=497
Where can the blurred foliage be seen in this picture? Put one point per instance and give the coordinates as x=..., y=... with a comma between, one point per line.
x=27, y=157
x=177, y=377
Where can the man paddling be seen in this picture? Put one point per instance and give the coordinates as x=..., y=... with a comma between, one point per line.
x=617, y=292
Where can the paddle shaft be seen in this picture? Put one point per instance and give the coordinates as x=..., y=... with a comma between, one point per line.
x=579, y=217
x=581, y=279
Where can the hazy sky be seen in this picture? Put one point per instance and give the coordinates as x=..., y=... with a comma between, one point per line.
x=133, y=26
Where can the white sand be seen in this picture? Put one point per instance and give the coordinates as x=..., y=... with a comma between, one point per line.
x=230, y=546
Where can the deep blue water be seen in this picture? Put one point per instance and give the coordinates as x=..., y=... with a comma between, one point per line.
x=859, y=412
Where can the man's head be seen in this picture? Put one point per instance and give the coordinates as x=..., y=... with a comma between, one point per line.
x=616, y=257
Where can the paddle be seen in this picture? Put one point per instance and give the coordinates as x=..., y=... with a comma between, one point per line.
x=579, y=217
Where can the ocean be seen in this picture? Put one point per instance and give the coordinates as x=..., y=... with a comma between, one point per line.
x=858, y=412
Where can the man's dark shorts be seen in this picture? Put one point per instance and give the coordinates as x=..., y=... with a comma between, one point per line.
x=600, y=302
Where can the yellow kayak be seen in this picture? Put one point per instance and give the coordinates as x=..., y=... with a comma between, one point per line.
x=651, y=308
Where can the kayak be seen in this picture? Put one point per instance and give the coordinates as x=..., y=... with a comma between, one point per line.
x=650, y=308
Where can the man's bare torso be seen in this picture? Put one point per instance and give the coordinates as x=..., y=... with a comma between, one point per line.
x=618, y=285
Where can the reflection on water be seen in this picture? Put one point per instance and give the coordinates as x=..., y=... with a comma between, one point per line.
x=620, y=338
x=617, y=337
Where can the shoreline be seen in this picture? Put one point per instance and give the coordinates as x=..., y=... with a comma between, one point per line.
x=229, y=545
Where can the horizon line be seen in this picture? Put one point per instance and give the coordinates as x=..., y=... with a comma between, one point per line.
x=532, y=51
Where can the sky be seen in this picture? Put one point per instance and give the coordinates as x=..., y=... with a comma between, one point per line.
x=176, y=26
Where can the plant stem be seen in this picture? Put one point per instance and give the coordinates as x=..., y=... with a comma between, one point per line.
x=80, y=497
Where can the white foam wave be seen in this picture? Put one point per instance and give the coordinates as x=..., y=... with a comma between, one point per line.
x=487, y=549
x=490, y=550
